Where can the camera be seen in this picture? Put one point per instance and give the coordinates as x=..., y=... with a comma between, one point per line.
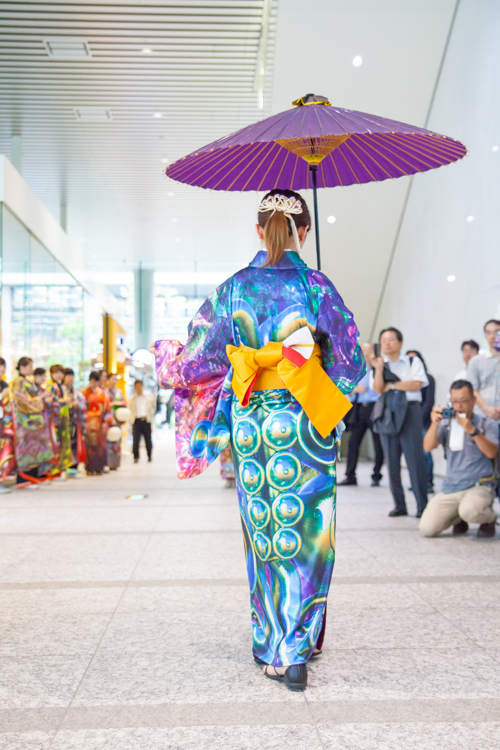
x=448, y=413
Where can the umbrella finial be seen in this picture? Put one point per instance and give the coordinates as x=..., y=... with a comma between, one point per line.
x=303, y=101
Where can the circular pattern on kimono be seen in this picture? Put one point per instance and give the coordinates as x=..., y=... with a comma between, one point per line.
x=279, y=430
x=262, y=545
x=246, y=437
x=283, y=470
x=241, y=411
x=259, y=512
x=288, y=509
x=319, y=448
x=251, y=475
x=199, y=438
x=271, y=406
x=286, y=543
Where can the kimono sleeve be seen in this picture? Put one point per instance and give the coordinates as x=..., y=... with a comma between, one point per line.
x=337, y=334
x=203, y=358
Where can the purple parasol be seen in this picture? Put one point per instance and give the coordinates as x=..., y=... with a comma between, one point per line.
x=315, y=145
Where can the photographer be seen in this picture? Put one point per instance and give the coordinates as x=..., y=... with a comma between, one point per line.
x=468, y=490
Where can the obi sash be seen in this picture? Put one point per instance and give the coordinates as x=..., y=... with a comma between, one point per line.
x=276, y=365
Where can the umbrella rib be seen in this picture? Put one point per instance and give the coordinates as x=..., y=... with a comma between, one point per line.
x=360, y=161
x=400, y=169
x=444, y=148
x=226, y=164
x=293, y=173
x=322, y=174
x=330, y=114
x=279, y=148
x=315, y=110
x=265, y=145
x=260, y=147
x=348, y=164
x=192, y=161
x=336, y=170
x=441, y=157
x=409, y=163
x=281, y=170
x=370, y=156
x=277, y=135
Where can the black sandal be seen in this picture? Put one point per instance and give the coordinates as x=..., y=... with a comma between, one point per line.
x=295, y=676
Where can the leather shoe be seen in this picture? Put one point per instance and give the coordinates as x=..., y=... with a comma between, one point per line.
x=462, y=527
x=347, y=482
x=486, y=530
x=397, y=512
x=295, y=676
x=375, y=482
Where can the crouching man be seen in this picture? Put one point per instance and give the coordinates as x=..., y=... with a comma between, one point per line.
x=468, y=490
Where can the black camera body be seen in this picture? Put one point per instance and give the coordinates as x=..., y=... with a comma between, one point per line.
x=448, y=413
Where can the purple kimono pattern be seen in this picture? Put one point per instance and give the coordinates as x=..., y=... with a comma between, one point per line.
x=285, y=471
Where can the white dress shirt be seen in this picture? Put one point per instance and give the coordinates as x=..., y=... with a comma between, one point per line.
x=406, y=371
x=140, y=407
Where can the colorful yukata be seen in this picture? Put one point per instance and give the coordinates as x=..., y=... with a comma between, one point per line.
x=34, y=429
x=60, y=408
x=96, y=426
x=117, y=399
x=285, y=469
x=77, y=409
x=7, y=452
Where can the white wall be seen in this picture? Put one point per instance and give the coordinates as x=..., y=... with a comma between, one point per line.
x=435, y=239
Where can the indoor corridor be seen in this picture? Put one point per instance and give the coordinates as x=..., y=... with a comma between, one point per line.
x=125, y=624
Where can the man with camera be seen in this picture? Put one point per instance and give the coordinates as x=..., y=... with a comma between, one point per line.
x=471, y=445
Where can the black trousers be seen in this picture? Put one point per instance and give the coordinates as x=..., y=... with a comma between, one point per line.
x=410, y=442
x=141, y=427
x=358, y=425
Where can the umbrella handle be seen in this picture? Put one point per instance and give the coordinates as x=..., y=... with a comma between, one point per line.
x=313, y=169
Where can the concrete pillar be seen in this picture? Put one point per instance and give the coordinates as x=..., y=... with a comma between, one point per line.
x=16, y=152
x=143, y=307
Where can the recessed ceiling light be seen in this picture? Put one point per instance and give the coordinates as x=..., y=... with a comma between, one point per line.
x=331, y=219
x=165, y=161
x=82, y=239
x=67, y=48
x=451, y=277
x=495, y=148
x=470, y=219
x=147, y=50
x=157, y=115
x=170, y=194
x=177, y=239
x=93, y=114
x=175, y=219
x=357, y=61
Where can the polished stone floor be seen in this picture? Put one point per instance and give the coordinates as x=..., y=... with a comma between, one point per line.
x=125, y=625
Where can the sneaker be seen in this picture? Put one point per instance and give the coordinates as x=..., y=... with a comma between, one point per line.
x=375, y=482
x=462, y=527
x=348, y=482
x=486, y=530
x=397, y=512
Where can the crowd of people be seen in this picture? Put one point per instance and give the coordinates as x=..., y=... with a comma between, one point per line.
x=48, y=428
x=396, y=402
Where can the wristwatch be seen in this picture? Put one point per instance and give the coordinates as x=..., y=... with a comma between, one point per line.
x=392, y=386
x=476, y=432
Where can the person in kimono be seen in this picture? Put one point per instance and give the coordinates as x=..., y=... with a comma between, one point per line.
x=97, y=420
x=227, y=468
x=60, y=405
x=117, y=399
x=77, y=407
x=7, y=452
x=32, y=421
x=268, y=361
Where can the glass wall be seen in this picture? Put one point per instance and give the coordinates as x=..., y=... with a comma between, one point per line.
x=45, y=313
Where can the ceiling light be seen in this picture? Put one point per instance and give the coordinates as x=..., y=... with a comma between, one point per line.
x=451, y=278
x=82, y=239
x=157, y=115
x=147, y=50
x=170, y=194
x=357, y=61
x=495, y=148
x=331, y=219
x=165, y=161
x=177, y=239
x=470, y=219
x=93, y=114
x=175, y=219
x=67, y=48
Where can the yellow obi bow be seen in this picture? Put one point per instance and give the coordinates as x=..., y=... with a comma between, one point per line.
x=322, y=401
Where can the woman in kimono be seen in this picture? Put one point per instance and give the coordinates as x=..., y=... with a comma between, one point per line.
x=117, y=400
x=96, y=424
x=33, y=428
x=268, y=360
x=65, y=459
x=77, y=407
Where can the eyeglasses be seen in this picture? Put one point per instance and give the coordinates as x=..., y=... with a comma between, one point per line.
x=388, y=341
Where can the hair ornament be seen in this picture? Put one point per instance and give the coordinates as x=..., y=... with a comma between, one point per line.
x=285, y=205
